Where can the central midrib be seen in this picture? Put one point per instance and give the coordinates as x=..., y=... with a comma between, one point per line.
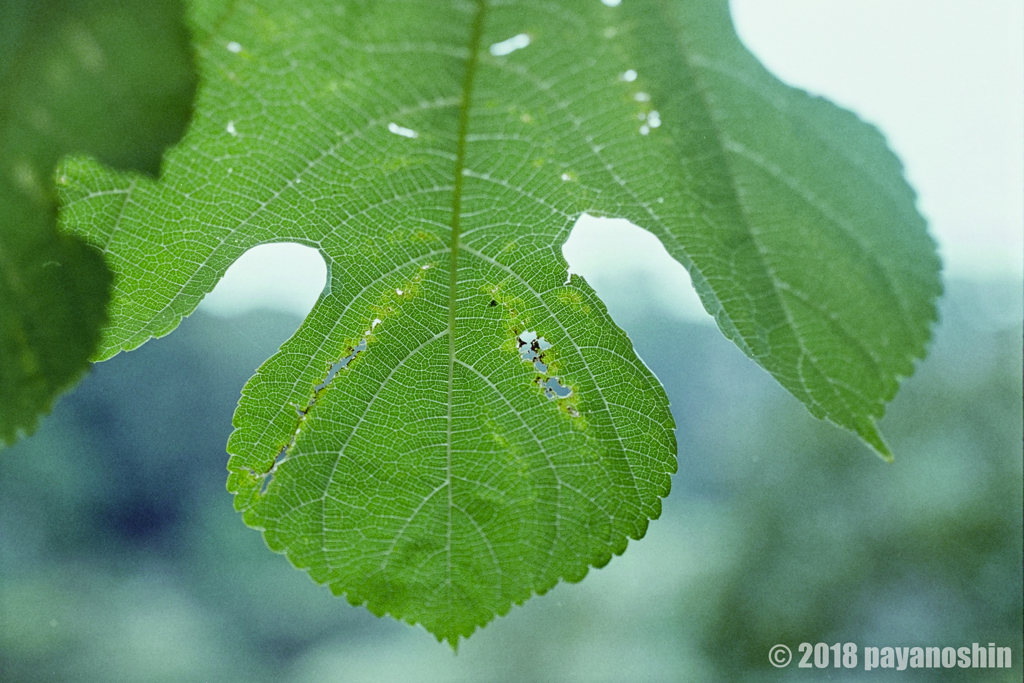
x=460, y=160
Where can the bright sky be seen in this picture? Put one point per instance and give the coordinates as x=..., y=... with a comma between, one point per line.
x=943, y=79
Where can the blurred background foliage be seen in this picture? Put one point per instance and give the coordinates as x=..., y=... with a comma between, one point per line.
x=121, y=558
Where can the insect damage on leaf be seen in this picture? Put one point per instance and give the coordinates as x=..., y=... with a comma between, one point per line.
x=495, y=433
x=533, y=349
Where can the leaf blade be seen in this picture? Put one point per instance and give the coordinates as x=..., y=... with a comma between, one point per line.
x=403, y=447
x=839, y=343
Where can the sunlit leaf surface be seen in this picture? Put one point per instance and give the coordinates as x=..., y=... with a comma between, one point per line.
x=457, y=425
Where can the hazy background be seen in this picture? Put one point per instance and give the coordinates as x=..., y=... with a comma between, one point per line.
x=121, y=558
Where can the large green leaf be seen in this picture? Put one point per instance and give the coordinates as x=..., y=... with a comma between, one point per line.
x=105, y=77
x=457, y=425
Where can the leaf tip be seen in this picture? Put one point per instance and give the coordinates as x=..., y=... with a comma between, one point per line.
x=873, y=438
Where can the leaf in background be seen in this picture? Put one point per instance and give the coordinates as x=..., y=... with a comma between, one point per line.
x=114, y=79
x=456, y=425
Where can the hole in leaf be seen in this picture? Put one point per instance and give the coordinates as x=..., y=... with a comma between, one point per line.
x=554, y=389
x=281, y=455
x=400, y=130
x=507, y=47
x=283, y=277
x=342, y=364
x=531, y=350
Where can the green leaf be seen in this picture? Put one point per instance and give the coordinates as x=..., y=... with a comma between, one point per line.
x=112, y=79
x=457, y=425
